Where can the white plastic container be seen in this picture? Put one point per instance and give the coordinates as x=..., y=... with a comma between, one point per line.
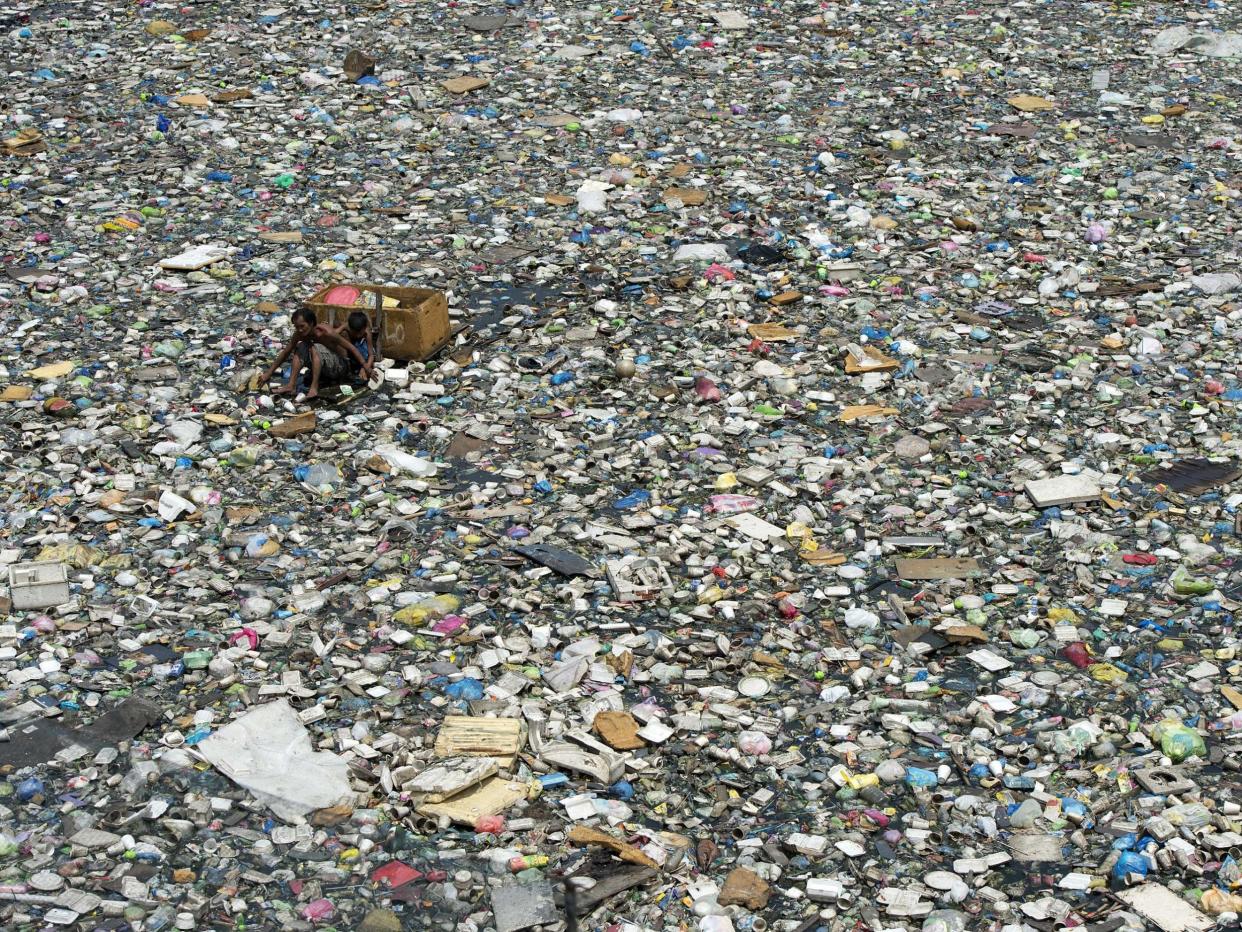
x=38, y=585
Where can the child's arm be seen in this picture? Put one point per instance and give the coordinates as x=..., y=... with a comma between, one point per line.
x=284, y=354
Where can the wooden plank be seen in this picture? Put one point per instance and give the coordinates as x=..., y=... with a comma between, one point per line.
x=786, y=297
x=854, y=412
x=938, y=568
x=585, y=835
x=298, y=424
x=1232, y=695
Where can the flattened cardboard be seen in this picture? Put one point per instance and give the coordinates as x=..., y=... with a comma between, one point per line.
x=447, y=778
x=491, y=797
x=772, y=333
x=1234, y=697
x=464, y=85
x=822, y=557
x=467, y=736
x=691, y=197
x=744, y=888
x=873, y=361
x=619, y=731
x=53, y=370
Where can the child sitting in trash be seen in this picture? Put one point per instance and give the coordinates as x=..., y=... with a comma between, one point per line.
x=357, y=329
x=317, y=347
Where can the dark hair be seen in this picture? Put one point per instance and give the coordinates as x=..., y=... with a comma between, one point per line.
x=357, y=321
x=306, y=314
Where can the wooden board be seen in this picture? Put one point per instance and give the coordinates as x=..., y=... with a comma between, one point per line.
x=585, y=835
x=298, y=424
x=786, y=297
x=1234, y=697
x=854, y=412
x=938, y=568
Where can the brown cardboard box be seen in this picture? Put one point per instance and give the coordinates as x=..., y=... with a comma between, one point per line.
x=417, y=328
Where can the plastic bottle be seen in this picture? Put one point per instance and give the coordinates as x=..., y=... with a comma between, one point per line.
x=162, y=918
x=319, y=476
x=77, y=438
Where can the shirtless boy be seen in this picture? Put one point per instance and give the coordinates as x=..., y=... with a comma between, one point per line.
x=321, y=349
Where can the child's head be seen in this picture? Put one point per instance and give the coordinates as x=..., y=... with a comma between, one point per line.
x=304, y=320
x=357, y=324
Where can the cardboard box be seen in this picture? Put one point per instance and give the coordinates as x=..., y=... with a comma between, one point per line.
x=416, y=328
